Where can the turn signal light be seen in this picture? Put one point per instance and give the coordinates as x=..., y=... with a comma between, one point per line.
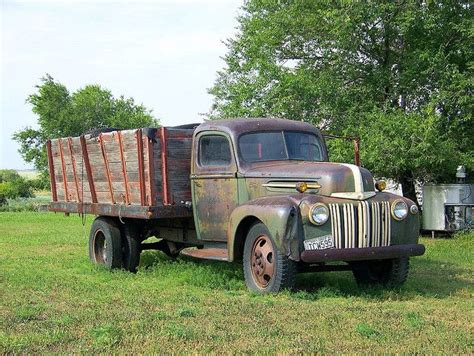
x=381, y=185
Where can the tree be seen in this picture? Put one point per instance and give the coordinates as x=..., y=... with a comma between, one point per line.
x=399, y=74
x=61, y=113
x=12, y=186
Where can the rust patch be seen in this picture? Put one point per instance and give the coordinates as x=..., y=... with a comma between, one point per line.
x=218, y=254
x=63, y=168
x=51, y=171
x=362, y=254
x=73, y=162
x=90, y=179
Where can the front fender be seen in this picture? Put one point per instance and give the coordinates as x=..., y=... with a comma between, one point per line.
x=281, y=217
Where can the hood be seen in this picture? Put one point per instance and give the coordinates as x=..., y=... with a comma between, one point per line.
x=336, y=179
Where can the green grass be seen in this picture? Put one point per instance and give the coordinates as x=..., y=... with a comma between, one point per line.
x=52, y=299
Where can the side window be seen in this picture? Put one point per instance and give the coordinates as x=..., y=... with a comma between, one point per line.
x=214, y=150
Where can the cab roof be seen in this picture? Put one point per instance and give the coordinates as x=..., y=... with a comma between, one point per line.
x=238, y=126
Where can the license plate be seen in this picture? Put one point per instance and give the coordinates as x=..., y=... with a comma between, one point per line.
x=319, y=243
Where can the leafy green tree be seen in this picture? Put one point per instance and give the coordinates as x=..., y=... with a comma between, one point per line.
x=399, y=74
x=12, y=186
x=61, y=113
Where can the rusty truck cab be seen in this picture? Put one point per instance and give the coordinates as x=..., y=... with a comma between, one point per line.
x=275, y=173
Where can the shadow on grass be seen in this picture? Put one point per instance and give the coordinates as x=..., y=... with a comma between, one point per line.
x=429, y=278
x=196, y=272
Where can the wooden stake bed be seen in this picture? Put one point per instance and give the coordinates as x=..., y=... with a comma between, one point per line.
x=141, y=173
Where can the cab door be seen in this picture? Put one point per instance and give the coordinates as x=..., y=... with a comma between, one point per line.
x=214, y=185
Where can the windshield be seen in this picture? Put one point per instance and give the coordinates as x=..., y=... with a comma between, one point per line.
x=280, y=145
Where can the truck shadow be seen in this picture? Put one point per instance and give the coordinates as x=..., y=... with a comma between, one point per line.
x=428, y=278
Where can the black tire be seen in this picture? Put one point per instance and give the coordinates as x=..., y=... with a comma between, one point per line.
x=131, y=247
x=390, y=273
x=105, y=245
x=283, y=270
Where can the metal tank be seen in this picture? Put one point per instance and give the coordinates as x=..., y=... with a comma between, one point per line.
x=448, y=207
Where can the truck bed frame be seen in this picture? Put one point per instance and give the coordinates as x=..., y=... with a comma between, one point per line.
x=142, y=173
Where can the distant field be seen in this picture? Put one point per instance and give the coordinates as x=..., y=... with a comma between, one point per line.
x=52, y=299
x=28, y=174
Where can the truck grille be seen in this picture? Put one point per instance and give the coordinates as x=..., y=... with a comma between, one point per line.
x=363, y=225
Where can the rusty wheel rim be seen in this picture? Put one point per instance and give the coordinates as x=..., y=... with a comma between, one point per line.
x=100, y=247
x=263, y=261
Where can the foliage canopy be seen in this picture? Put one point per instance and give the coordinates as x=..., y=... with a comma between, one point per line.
x=61, y=113
x=397, y=74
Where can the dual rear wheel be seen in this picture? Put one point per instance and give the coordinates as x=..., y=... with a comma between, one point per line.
x=114, y=245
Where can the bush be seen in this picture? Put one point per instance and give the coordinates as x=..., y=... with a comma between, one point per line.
x=13, y=186
x=41, y=182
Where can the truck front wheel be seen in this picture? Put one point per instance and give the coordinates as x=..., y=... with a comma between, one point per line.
x=105, y=245
x=390, y=273
x=266, y=270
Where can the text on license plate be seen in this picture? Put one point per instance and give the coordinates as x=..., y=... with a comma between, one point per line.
x=319, y=243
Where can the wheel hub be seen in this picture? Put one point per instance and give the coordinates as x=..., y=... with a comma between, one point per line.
x=100, y=247
x=263, y=267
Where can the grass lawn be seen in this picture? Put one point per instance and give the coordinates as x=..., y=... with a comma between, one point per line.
x=52, y=299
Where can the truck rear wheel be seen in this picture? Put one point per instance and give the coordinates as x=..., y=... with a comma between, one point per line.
x=131, y=247
x=266, y=270
x=390, y=273
x=105, y=245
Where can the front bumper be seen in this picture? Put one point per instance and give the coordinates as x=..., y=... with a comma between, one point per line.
x=362, y=254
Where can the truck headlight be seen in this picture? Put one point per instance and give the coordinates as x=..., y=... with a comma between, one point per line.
x=399, y=210
x=318, y=214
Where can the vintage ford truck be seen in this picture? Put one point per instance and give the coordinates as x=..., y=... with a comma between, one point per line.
x=260, y=191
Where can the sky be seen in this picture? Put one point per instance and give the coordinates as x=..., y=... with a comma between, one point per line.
x=163, y=53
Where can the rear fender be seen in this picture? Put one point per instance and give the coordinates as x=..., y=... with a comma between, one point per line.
x=281, y=217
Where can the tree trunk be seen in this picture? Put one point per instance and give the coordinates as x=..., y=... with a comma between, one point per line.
x=408, y=186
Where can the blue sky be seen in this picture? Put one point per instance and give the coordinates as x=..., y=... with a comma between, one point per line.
x=163, y=53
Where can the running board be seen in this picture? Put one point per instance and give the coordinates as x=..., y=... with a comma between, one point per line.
x=212, y=253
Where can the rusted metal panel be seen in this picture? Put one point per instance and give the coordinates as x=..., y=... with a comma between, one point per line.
x=164, y=166
x=280, y=214
x=51, y=171
x=214, y=200
x=178, y=155
x=151, y=172
x=217, y=254
x=63, y=169
x=124, y=168
x=107, y=170
x=90, y=179
x=141, y=168
x=73, y=162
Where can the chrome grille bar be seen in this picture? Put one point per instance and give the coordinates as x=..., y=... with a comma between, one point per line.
x=362, y=225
